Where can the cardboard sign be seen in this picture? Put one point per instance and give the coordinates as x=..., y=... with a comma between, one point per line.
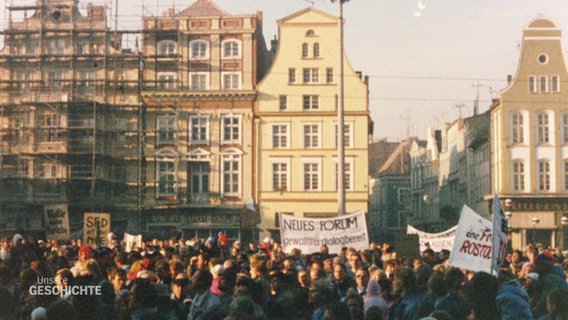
x=472, y=249
x=407, y=246
x=95, y=228
x=309, y=234
x=56, y=222
x=132, y=241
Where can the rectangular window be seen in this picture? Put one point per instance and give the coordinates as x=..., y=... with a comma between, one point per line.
x=544, y=175
x=199, y=49
x=166, y=178
x=543, y=128
x=311, y=136
x=347, y=135
x=311, y=102
x=311, y=176
x=199, y=173
x=555, y=84
x=87, y=79
x=55, y=80
x=231, y=176
x=280, y=176
x=403, y=195
x=166, y=129
x=231, y=129
x=329, y=75
x=305, y=52
x=231, y=80
x=167, y=81
x=280, y=136
x=283, y=102
x=199, y=129
x=198, y=81
x=311, y=75
x=543, y=84
x=532, y=84
x=291, y=75
x=518, y=176
x=517, y=128
x=231, y=49
x=565, y=175
x=348, y=182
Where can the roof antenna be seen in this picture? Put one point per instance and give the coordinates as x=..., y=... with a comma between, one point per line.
x=313, y=2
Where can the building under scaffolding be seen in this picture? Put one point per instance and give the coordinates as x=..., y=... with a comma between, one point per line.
x=69, y=107
x=161, y=139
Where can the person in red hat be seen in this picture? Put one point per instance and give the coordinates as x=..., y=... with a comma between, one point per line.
x=84, y=255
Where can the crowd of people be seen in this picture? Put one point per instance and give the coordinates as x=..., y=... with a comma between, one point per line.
x=178, y=279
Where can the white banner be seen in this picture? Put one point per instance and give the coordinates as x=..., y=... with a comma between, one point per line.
x=472, y=247
x=132, y=241
x=499, y=235
x=438, y=241
x=309, y=234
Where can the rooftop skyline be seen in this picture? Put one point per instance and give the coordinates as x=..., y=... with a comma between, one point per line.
x=426, y=59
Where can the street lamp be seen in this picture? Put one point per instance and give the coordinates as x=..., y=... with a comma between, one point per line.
x=340, y=117
x=534, y=221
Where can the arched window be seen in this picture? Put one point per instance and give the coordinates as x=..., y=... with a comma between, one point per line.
x=199, y=49
x=231, y=49
x=316, y=50
x=166, y=47
x=310, y=33
x=305, y=50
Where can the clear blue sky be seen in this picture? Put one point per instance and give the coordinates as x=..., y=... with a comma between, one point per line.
x=423, y=57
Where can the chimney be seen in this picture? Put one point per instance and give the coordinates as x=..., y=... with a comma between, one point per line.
x=509, y=79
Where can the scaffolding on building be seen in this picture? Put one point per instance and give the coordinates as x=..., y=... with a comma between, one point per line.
x=69, y=90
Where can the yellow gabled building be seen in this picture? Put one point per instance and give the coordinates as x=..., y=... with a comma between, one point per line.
x=529, y=139
x=296, y=114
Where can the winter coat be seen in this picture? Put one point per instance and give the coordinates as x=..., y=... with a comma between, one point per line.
x=512, y=300
x=405, y=308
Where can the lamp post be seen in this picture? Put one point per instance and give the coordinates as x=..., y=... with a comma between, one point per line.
x=564, y=222
x=508, y=215
x=534, y=221
x=340, y=118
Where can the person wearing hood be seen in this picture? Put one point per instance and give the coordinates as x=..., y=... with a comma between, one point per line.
x=373, y=297
x=549, y=279
x=512, y=299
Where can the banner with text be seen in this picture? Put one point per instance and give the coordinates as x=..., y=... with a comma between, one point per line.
x=499, y=235
x=473, y=245
x=95, y=228
x=56, y=222
x=132, y=241
x=309, y=234
x=437, y=241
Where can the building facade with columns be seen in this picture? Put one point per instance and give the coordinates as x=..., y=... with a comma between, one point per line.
x=529, y=139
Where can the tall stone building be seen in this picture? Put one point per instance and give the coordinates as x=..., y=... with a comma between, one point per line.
x=201, y=68
x=68, y=94
x=297, y=127
x=529, y=138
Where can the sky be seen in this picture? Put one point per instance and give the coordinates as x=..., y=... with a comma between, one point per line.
x=427, y=60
